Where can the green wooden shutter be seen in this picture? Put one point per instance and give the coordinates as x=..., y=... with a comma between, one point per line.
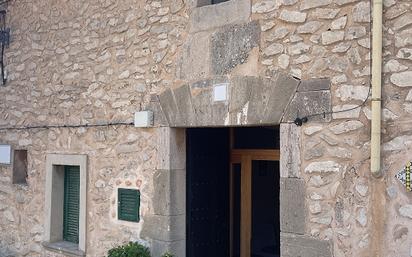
x=71, y=204
x=128, y=204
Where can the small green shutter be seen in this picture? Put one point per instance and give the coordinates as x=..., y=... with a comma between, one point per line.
x=128, y=204
x=71, y=204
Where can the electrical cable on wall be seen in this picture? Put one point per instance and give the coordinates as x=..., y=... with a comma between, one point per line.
x=69, y=126
x=299, y=121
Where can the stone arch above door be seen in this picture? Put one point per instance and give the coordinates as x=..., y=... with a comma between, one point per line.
x=249, y=101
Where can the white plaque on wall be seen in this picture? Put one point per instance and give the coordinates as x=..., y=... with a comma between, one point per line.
x=5, y=154
x=220, y=92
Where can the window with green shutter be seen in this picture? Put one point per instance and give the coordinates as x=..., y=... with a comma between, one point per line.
x=71, y=204
x=128, y=201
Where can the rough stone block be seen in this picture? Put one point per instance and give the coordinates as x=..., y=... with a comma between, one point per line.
x=290, y=150
x=309, y=4
x=309, y=103
x=164, y=228
x=231, y=46
x=169, y=196
x=219, y=113
x=158, y=115
x=304, y=246
x=7, y=253
x=281, y=93
x=314, y=85
x=240, y=90
x=177, y=248
x=258, y=101
x=293, y=16
x=292, y=206
x=171, y=148
x=184, y=105
x=194, y=60
x=202, y=101
x=218, y=15
x=169, y=107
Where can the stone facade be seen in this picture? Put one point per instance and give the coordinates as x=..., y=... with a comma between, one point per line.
x=97, y=62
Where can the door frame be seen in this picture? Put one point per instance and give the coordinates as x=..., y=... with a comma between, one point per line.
x=171, y=183
x=244, y=157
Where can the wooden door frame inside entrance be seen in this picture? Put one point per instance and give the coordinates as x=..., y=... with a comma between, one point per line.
x=245, y=158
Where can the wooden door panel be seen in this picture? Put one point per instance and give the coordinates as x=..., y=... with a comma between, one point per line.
x=244, y=157
x=207, y=224
x=246, y=206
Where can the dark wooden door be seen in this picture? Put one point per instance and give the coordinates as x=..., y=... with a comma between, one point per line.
x=207, y=224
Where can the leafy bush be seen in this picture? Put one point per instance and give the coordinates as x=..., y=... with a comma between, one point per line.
x=168, y=255
x=132, y=249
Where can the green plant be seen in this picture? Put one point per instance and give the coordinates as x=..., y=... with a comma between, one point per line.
x=168, y=255
x=132, y=249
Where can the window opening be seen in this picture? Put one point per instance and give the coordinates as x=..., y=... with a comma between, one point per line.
x=71, y=204
x=128, y=204
x=20, y=167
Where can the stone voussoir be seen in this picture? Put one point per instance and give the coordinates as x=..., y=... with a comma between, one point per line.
x=304, y=246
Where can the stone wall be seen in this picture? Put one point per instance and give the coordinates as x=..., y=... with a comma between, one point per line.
x=79, y=62
x=324, y=39
x=397, y=132
x=331, y=39
x=117, y=157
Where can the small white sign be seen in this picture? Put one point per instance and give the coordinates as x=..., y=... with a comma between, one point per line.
x=5, y=154
x=220, y=92
x=143, y=119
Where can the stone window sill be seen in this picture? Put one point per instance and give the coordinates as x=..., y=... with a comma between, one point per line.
x=67, y=248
